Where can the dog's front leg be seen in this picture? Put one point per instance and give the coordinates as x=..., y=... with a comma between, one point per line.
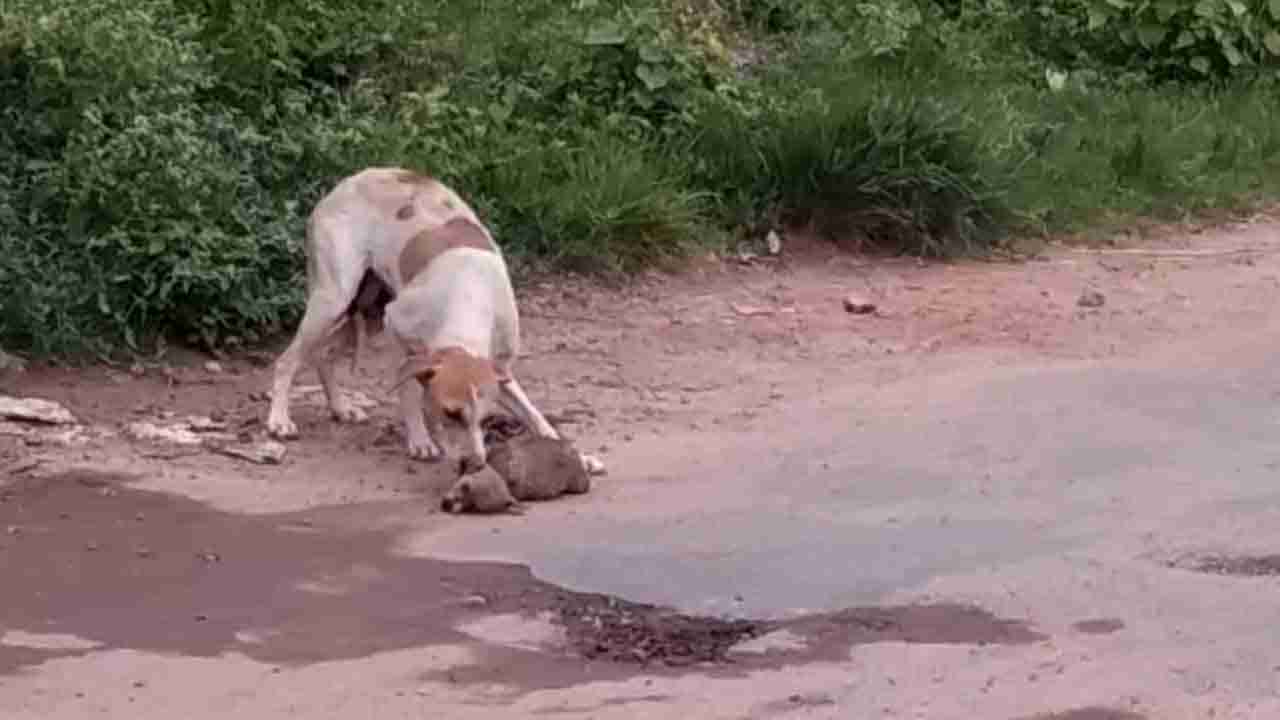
x=419, y=441
x=518, y=402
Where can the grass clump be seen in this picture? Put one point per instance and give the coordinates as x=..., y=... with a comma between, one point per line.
x=162, y=155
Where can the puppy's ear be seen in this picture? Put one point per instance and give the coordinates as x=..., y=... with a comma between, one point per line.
x=422, y=368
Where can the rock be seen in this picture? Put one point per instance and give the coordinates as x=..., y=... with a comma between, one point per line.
x=266, y=452
x=1091, y=299
x=177, y=434
x=858, y=305
x=12, y=362
x=201, y=424
x=751, y=310
x=213, y=366
x=774, y=242
x=35, y=410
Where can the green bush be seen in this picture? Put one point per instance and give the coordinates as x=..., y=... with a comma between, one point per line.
x=1171, y=39
x=161, y=156
x=899, y=172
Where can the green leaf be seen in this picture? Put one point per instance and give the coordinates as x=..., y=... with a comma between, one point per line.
x=1151, y=34
x=1272, y=41
x=606, y=32
x=1237, y=7
x=1200, y=64
x=653, y=77
x=652, y=54
x=1232, y=54
x=1098, y=16
x=1275, y=10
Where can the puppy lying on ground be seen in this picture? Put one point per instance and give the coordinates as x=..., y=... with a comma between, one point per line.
x=391, y=246
x=525, y=468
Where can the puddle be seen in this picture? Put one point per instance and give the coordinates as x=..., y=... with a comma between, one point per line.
x=1235, y=565
x=86, y=556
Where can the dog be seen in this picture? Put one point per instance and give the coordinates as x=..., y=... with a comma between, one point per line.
x=389, y=247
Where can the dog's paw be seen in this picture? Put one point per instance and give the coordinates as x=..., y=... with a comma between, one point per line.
x=593, y=465
x=427, y=451
x=350, y=415
x=282, y=429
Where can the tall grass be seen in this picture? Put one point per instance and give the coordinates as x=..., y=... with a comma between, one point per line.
x=161, y=155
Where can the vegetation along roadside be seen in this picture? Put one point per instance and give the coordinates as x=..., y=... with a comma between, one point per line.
x=159, y=156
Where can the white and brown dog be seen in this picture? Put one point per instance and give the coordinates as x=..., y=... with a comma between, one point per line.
x=391, y=246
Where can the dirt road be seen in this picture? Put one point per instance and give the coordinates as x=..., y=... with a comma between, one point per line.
x=1035, y=490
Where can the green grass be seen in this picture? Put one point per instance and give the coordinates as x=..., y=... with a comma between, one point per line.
x=168, y=151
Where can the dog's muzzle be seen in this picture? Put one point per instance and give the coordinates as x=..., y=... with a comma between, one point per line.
x=470, y=465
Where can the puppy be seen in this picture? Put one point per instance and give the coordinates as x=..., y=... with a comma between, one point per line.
x=388, y=246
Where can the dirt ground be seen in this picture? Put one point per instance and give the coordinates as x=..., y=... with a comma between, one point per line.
x=713, y=350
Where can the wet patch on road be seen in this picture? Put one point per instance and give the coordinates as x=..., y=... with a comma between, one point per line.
x=1099, y=626
x=87, y=557
x=1234, y=565
x=1091, y=713
x=798, y=702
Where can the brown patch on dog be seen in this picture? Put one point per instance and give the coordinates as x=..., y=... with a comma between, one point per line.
x=455, y=376
x=450, y=375
x=433, y=242
x=405, y=212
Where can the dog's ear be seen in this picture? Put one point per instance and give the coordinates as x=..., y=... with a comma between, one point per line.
x=416, y=366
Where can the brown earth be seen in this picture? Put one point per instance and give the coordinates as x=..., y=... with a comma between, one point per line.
x=164, y=550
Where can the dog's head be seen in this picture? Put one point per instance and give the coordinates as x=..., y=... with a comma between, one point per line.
x=461, y=391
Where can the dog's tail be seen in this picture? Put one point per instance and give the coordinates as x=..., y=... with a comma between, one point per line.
x=359, y=327
x=367, y=313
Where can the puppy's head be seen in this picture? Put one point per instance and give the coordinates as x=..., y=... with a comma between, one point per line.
x=480, y=493
x=461, y=391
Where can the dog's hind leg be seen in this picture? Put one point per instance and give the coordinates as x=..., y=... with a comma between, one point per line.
x=333, y=278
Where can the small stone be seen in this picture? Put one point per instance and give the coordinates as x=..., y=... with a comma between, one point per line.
x=475, y=601
x=213, y=366
x=35, y=410
x=267, y=452
x=12, y=362
x=1091, y=299
x=774, y=242
x=858, y=305
x=751, y=310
